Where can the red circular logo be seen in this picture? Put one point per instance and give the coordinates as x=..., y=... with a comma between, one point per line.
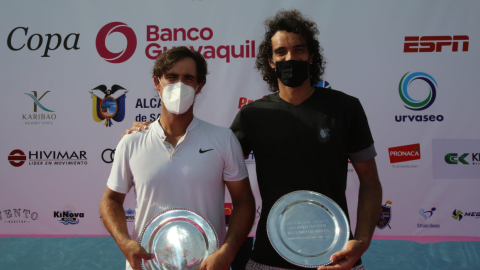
x=122, y=56
x=17, y=158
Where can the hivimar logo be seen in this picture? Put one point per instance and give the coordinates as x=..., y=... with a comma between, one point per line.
x=414, y=104
x=38, y=118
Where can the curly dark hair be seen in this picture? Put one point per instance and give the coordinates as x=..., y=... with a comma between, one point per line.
x=291, y=21
x=166, y=60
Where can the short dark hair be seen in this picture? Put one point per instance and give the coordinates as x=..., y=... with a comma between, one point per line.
x=168, y=58
x=291, y=21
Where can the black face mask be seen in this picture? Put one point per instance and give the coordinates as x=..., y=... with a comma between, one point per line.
x=292, y=73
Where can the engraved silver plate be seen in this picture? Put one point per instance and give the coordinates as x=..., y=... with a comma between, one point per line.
x=306, y=228
x=179, y=239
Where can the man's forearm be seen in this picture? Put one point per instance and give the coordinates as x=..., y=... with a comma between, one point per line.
x=240, y=224
x=369, y=203
x=113, y=217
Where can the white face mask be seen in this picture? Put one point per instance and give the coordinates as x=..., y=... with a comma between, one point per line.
x=177, y=97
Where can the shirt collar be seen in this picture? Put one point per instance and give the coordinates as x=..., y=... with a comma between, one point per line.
x=161, y=132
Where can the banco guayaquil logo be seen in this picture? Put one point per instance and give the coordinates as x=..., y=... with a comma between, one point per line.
x=116, y=57
x=108, y=104
x=41, y=114
x=406, y=95
x=68, y=216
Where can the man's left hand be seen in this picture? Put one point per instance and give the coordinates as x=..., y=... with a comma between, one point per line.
x=345, y=259
x=216, y=261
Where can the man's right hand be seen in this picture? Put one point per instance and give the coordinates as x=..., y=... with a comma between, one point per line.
x=134, y=253
x=137, y=126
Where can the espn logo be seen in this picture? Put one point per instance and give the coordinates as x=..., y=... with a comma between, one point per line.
x=435, y=43
x=404, y=153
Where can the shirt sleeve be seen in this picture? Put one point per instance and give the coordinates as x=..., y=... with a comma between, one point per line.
x=121, y=178
x=240, y=130
x=363, y=155
x=235, y=168
x=360, y=137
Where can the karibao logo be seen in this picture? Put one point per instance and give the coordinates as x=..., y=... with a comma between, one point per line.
x=124, y=55
x=413, y=104
x=38, y=118
x=404, y=153
x=108, y=104
x=69, y=215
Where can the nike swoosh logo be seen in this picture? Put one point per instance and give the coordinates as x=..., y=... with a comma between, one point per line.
x=202, y=151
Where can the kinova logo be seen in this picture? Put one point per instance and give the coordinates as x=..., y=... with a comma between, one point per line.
x=69, y=215
x=417, y=105
x=455, y=158
x=459, y=215
x=18, y=216
x=165, y=35
x=404, y=153
x=108, y=104
x=434, y=43
x=108, y=155
x=39, y=118
x=17, y=158
x=124, y=55
x=16, y=41
x=427, y=213
x=385, y=216
x=152, y=103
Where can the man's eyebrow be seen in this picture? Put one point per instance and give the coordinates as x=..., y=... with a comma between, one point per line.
x=171, y=74
x=301, y=45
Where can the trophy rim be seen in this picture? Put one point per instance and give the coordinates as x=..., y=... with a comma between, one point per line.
x=324, y=197
x=217, y=245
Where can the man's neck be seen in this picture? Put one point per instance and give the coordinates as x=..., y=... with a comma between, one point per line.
x=175, y=126
x=295, y=95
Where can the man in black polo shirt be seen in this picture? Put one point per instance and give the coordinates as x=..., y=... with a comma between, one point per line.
x=302, y=137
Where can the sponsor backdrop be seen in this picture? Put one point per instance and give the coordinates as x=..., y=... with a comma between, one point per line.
x=74, y=76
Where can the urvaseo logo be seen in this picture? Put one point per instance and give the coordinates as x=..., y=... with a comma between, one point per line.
x=18, y=216
x=455, y=158
x=459, y=215
x=130, y=215
x=250, y=158
x=108, y=104
x=427, y=213
x=417, y=105
x=385, y=216
x=404, y=153
x=68, y=216
x=151, y=103
x=434, y=43
x=17, y=158
x=35, y=41
x=39, y=118
x=108, y=155
x=116, y=57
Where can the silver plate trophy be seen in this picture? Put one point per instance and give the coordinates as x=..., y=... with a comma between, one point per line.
x=179, y=238
x=306, y=228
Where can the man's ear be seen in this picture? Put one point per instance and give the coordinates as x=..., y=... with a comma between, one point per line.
x=155, y=81
x=272, y=64
x=200, y=86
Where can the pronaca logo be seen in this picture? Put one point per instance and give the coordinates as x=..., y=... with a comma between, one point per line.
x=108, y=104
x=244, y=101
x=404, y=153
x=118, y=57
x=435, y=43
x=38, y=118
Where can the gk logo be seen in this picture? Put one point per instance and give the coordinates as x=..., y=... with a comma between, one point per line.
x=37, y=101
x=453, y=158
x=434, y=43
